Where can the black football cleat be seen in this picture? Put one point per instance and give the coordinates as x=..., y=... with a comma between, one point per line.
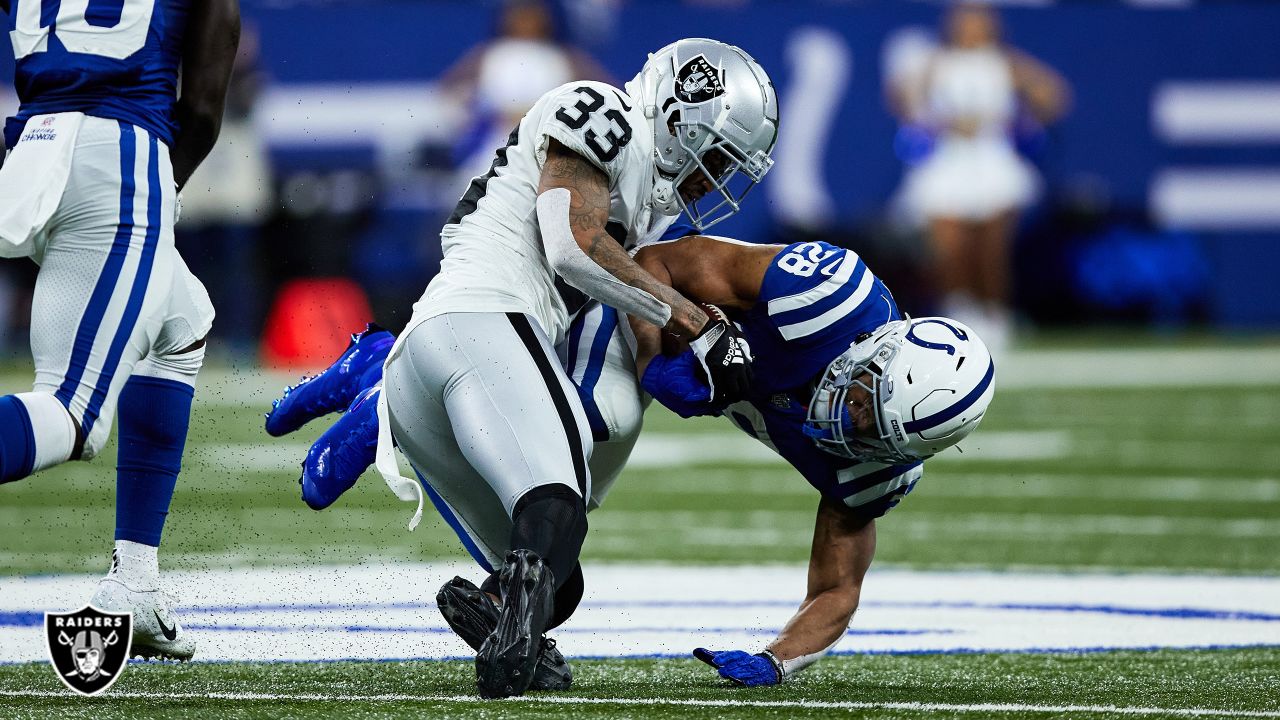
x=473, y=616
x=506, y=661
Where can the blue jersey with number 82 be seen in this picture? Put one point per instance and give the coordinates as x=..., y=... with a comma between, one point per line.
x=816, y=299
x=116, y=59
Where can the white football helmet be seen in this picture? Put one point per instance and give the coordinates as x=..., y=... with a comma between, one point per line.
x=930, y=381
x=712, y=108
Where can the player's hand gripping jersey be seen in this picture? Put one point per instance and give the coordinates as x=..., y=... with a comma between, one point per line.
x=493, y=253
x=815, y=301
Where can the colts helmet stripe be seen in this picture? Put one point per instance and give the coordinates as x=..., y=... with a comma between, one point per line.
x=914, y=426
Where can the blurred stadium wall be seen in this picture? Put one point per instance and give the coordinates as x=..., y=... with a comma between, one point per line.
x=1161, y=197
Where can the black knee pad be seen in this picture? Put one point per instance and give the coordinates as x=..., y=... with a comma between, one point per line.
x=551, y=520
x=568, y=597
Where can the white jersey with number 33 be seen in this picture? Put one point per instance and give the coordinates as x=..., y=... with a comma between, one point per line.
x=493, y=254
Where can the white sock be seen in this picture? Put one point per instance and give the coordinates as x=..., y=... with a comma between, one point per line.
x=54, y=431
x=136, y=564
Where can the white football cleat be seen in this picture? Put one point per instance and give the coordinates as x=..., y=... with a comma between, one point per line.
x=156, y=631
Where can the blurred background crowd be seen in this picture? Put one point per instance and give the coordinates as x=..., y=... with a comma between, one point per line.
x=1020, y=165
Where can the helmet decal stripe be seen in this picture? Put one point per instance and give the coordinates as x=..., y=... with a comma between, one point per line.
x=963, y=404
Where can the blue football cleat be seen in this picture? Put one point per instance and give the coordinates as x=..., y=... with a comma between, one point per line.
x=341, y=455
x=359, y=367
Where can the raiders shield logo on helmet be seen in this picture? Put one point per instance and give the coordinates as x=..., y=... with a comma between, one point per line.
x=88, y=648
x=698, y=81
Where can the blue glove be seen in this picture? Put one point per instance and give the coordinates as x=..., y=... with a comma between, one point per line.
x=741, y=668
x=673, y=381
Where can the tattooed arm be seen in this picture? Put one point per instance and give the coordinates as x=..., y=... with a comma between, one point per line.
x=572, y=186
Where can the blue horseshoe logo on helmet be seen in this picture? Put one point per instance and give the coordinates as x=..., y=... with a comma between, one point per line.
x=951, y=349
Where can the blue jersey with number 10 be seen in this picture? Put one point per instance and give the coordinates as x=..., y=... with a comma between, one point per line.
x=815, y=301
x=115, y=59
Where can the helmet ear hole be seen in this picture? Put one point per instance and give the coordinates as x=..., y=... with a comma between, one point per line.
x=673, y=118
x=960, y=362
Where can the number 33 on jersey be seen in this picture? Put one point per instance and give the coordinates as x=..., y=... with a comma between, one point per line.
x=604, y=126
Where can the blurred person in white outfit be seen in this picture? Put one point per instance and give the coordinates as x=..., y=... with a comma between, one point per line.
x=502, y=78
x=973, y=184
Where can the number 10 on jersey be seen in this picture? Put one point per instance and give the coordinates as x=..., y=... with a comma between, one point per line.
x=106, y=28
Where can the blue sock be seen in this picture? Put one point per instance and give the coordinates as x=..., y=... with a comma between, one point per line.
x=154, y=414
x=17, y=440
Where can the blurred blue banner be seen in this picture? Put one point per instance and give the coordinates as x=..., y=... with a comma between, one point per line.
x=1176, y=111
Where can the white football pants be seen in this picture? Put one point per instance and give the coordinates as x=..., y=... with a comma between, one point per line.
x=482, y=407
x=112, y=288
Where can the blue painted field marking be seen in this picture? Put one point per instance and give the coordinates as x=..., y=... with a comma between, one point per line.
x=1083, y=650
x=559, y=631
x=27, y=618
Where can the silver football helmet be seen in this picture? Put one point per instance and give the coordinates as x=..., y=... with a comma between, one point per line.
x=929, y=382
x=712, y=109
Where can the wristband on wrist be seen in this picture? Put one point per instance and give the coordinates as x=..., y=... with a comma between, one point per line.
x=777, y=664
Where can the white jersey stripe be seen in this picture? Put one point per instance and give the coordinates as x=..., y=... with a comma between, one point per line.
x=832, y=316
x=860, y=470
x=818, y=292
x=875, y=492
x=580, y=353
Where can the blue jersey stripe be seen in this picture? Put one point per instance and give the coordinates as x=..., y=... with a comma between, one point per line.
x=870, y=481
x=856, y=271
x=844, y=270
x=96, y=309
x=595, y=365
x=137, y=293
x=443, y=508
x=963, y=404
x=575, y=339
x=849, y=306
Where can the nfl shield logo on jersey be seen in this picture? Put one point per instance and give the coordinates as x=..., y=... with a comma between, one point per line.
x=88, y=647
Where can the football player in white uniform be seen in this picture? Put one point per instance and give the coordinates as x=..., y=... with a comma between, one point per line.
x=473, y=386
x=852, y=394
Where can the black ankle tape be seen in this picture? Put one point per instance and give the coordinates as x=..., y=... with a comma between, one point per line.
x=568, y=597
x=551, y=520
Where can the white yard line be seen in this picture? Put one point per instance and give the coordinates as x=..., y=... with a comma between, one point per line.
x=1020, y=369
x=779, y=704
x=655, y=450
x=383, y=611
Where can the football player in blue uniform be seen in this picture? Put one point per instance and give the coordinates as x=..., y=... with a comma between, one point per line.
x=96, y=154
x=852, y=394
